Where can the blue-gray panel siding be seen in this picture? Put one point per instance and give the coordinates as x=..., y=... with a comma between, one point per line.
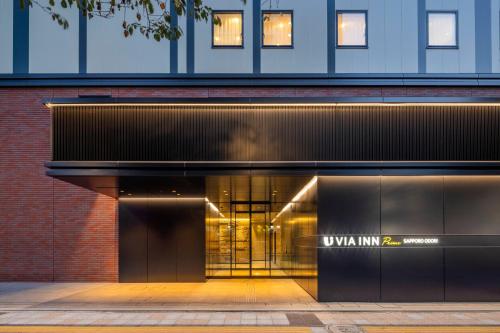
x=190, y=36
x=21, y=40
x=422, y=37
x=173, y=44
x=483, y=36
x=82, y=44
x=331, y=34
x=256, y=36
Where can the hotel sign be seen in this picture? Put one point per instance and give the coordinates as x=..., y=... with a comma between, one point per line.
x=379, y=241
x=407, y=241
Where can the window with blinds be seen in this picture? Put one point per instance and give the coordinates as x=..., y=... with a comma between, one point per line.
x=277, y=29
x=442, y=29
x=351, y=29
x=227, y=29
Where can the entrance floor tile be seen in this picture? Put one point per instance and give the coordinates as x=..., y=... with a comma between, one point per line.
x=150, y=329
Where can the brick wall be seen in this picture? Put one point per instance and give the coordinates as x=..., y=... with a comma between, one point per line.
x=54, y=231
x=49, y=230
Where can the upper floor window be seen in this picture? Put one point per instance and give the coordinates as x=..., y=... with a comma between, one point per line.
x=351, y=28
x=442, y=30
x=277, y=29
x=227, y=29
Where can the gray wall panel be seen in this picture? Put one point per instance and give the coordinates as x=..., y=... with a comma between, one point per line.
x=392, y=38
x=52, y=48
x=463, y=59
x=309, y=54
x=224, y=60
x=108, y=51
x=495, y=36
x=6, y=35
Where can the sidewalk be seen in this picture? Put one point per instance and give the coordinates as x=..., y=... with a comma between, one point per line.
x=109, y=305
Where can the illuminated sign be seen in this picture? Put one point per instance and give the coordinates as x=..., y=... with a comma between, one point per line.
x=378, y=241
x=407, y=241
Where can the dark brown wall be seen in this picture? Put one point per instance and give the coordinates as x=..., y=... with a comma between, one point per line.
x=276, y=133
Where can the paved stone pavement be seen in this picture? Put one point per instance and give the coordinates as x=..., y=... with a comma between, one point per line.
x=231, y=303
x=216, y=318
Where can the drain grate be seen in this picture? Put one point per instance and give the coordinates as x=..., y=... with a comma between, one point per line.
x=304, y=319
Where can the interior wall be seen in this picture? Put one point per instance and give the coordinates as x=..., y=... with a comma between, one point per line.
x=431, y=205
x=298, y=242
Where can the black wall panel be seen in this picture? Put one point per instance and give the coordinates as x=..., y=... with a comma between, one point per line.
x=412, y=275
x=466, y=205
x=276, y=133
x=472, y=274
x=133, y=242
x=472, y=206
x=348, y=205
x=162, y=240
x=412, y=205
x=191, y=243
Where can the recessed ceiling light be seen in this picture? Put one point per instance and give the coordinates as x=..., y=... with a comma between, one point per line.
x=174, y=191
x=122, y=191
x=130, y=194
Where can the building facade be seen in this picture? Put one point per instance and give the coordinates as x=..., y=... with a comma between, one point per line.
x=352, y=145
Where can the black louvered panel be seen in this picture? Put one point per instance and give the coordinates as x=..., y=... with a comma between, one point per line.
x=276, y=133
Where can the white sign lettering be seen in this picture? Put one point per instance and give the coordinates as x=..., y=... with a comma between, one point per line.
x=378, y=241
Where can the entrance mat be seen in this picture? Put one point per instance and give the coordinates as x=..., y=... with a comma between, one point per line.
x=304, y=319
x=431, y=329
x=152, y=329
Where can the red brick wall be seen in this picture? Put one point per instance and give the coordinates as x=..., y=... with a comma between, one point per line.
x=49, y=230
x=54, y=231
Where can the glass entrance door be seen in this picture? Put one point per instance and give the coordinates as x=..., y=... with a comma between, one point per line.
x=244, y=236
x=241, y=255
x=250, y=240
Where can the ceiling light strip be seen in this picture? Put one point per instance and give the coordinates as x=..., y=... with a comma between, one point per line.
x=210, y=204
x=297, y=197
x=208, y=105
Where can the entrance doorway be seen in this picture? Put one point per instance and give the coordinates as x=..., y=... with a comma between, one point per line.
x=252, y=240
x=244, y=238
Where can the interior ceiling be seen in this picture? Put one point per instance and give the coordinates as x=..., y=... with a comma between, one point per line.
x=266, y=192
